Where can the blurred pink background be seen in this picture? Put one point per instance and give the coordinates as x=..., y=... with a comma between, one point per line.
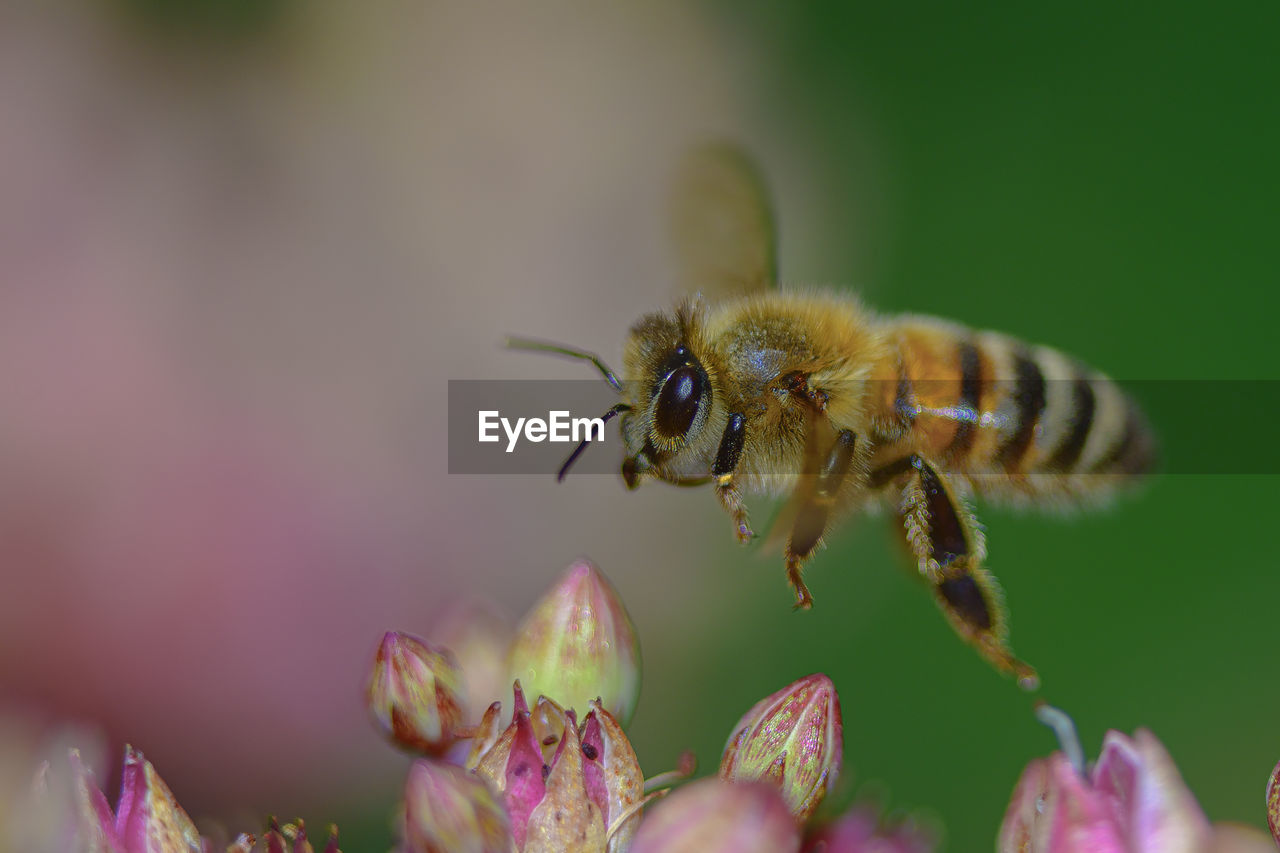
x=235, y=274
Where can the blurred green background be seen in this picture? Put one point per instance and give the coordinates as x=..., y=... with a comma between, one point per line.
x=1098, y=179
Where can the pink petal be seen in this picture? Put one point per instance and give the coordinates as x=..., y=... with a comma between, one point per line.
x=149, y=819
x=525, y=783
x=1152, y=806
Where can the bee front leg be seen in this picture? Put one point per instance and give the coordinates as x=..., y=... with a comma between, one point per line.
x=813, y=511
x=727, y=456
x=942, y=534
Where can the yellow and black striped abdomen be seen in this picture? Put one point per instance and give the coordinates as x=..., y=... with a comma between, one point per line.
x=1011, y=417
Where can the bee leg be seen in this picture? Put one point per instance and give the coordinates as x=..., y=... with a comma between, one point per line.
x=814, y=511
x=942, y=534
x=727, y=456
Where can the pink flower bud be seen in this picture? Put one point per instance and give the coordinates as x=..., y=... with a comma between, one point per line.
x=578, y=643
x=449, y=810
x=1133, y=801
x=148, y=818
x=1273, y=803
x=792, y=740
x=860, y=830
x=413, y=693
x=710, y=816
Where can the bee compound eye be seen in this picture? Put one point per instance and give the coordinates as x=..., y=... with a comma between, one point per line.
x=678, y=401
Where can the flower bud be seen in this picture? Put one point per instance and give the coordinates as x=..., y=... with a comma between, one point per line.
x=413, y=693
x=1133, y=801
x=1273, y=803
x=449, y=810
x=710, y=816
x=578, y=643
x=793, y=740
x=148, y=818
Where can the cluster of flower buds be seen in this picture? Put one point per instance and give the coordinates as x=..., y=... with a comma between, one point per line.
x=553, y=779
x=546, y=781
x=1132, y=800
x=147, y=818
x=577, y=645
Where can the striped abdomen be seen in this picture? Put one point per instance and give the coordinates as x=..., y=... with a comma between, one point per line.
x=998, y=410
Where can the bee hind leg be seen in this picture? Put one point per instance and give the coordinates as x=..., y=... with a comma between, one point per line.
x=727, y=491
x=945, y=540
x=813, y=510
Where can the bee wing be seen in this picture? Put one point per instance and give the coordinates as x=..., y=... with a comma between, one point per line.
x=722, y=227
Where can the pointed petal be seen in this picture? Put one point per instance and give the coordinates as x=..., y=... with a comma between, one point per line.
x=566, y=821
x=613, y=776
x=487, y=734
x=332, y=845
x=1153, y=806
x=525, y=783
x=300, y=842
x=94, y=824
x=548, y=722
x=149, y=819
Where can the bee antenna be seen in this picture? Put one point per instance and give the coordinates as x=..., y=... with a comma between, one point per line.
x=577, y=451
x=560, y=349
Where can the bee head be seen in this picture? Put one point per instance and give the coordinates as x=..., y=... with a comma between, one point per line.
x=670, y=389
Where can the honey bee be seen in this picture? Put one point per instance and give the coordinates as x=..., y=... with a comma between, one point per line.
x=753, y=389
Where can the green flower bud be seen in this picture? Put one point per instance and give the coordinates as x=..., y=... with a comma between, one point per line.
x=793, y=740
x=577, y=644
